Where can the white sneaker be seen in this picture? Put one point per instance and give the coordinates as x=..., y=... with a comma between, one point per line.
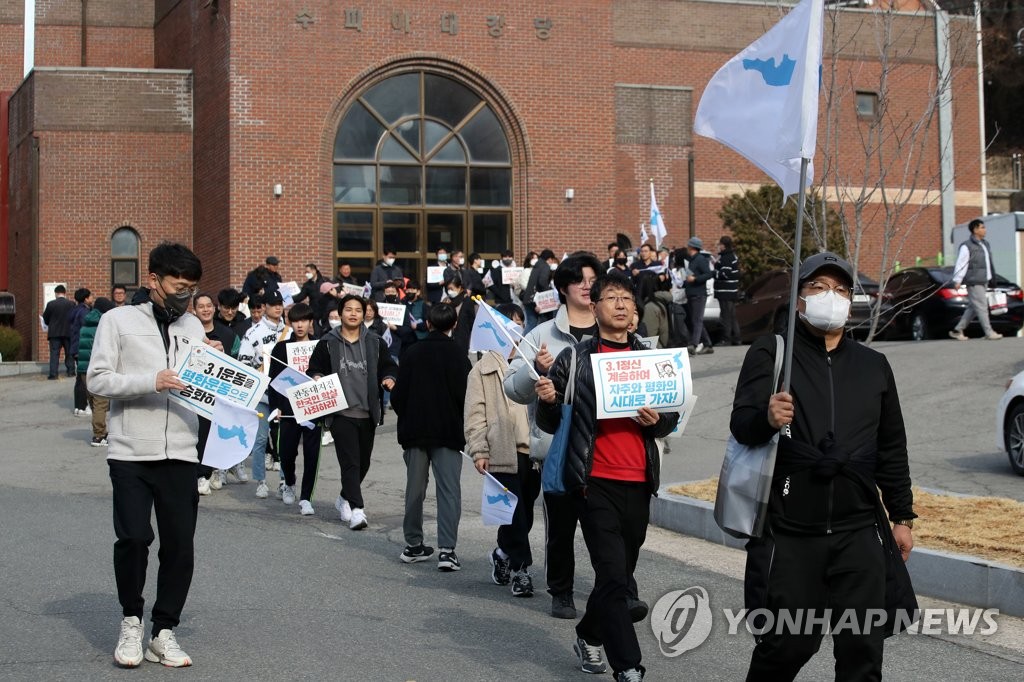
x=305, y=508
x=358, y=521
x=280, y=490
x=344, y=510
x=288, y=495
x=78, y=413
x=164, y=649
x=240, y=474
x=262, y=490
x=128, y=653
x=326, y=438
x=268, y=460
x=217, y=480
x=87, y=411
x=204, y=487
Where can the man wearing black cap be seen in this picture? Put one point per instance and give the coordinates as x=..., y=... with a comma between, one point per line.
x=825, y=541
x=262, y=279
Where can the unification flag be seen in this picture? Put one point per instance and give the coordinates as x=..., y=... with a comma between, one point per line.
x=657, y=222
x=493, y=331
x=367, y=290
x=232, y=434
x=288, y=378
x=497, y=503
x=764, y=102
x=643, y=234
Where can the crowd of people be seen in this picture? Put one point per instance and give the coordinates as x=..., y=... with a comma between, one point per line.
x=497, y=409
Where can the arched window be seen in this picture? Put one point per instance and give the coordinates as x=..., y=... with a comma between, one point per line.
x=420, y=161
x=124, y=258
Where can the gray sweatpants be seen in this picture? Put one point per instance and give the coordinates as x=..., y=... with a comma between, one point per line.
x=447, y=465
x=977, y=305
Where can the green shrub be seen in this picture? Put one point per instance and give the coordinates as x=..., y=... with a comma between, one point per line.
x=10, y=343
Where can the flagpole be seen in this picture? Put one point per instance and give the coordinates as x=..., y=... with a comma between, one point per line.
x=529, y=363
x=794, y=288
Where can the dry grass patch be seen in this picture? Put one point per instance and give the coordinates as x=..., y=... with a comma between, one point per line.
x=986, y=527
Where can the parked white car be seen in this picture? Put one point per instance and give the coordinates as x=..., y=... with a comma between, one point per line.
x=1010, y=423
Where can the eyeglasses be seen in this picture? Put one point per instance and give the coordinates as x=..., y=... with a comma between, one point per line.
x=182, y=291
x=585, y=284
x=619, y=300
x=820, y=287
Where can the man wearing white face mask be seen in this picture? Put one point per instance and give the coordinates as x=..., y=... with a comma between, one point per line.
x=828, y=541
x=385, y=271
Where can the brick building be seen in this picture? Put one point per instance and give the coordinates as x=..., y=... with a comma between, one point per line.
x=321, y=130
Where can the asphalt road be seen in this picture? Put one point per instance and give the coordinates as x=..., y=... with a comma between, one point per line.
x=948, y=392
x=280, y=596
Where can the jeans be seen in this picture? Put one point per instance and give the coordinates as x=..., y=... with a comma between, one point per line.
x=259, y=448
x=695, y=314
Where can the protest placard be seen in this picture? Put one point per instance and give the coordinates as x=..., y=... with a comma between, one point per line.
x=392, y=313
x=649, y=342
x=352, y=289
x=435, y=274
x=298, y=353
x=317, y=398
x=510, y=275
x=546, y=301
x=625, y=382
x=212, y=375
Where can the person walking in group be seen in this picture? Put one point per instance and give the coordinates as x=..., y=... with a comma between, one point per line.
x=58, y=331
x=974, y=268
x=98, y=405
x=699, y=266
x=384, y=272
x=429, y=400
x=727, y=290
x=301, y=318
x=612, y=468
x=498, y=440
x=83, y=300
x=361, y=359
x=152, y=450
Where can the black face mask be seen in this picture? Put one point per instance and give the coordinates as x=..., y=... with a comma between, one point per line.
x=620, y=261
x=391, y=299
x=174, y=305
x=411, y=296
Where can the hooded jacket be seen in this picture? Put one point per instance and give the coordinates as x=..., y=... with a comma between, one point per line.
x=127, y=354
x=579, y=456
x=847, y=414
x=327, y=355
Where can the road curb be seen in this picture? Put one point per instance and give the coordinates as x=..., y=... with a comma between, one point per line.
x=13, y=369
x=942, y=575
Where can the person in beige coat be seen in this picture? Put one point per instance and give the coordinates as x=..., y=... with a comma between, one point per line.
x=498, y=440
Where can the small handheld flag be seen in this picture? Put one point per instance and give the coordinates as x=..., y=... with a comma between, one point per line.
x=497, y=503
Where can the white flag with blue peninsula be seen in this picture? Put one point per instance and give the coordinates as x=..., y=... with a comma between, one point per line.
x=493, y=331
x=288, y=378
x=764, y=102
x=657, y=221
x=232, y=434
x=497, y=503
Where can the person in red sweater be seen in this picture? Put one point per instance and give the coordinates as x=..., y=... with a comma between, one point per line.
x=611, y=470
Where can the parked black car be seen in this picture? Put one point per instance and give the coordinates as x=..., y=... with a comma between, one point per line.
x=763, y=305
x=922, y=304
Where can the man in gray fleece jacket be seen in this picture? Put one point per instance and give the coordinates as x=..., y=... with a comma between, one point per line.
x=152, y=449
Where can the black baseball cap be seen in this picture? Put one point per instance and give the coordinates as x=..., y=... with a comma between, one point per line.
x=822, y=261
x=274, y=298
x=272, y=260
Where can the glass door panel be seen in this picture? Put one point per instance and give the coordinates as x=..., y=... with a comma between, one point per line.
x=447, y=230
x=401, y=232
x=355, y=231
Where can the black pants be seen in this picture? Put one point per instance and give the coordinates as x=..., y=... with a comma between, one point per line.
x=514, y=538
x=169, y=486
x=289, y=434
x=56, y=344
x=614, y=518
x=836, y=572
x=353, y=443
x=730, y=326
x=81, y=393
x=203, y=471
x=561, y=514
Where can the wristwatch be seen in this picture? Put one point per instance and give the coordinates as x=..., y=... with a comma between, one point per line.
x=909, y=523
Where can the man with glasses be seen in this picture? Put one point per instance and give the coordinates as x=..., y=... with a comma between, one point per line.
x=612, y=469
x=152, y=449
x=574, y=322
x=823, y=548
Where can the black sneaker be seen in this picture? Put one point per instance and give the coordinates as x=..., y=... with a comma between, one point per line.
x=411, y=555
x=522, y=584
x=637, y=609
x=562, y=606
x=500, y=569
x=590, y=657
x=447, y=561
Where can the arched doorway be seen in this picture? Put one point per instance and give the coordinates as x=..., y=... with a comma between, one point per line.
x=420, y=161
